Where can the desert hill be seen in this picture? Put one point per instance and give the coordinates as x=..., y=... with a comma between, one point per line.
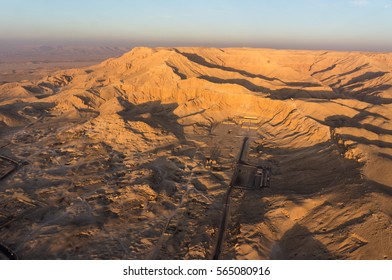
x=111, y=158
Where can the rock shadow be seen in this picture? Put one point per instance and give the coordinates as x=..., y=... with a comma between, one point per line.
x=297, y=176
x=200, y=60
x=241, y=82
x=155, y=114
x=337, y=121
x=298, y=243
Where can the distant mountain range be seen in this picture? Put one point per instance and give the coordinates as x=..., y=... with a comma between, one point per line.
x=58, y=53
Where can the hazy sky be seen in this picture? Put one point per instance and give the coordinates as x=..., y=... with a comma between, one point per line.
x=305, y=24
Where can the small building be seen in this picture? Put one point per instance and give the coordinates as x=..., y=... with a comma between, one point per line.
x=251, y=177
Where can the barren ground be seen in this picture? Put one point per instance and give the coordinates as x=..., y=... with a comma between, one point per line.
x=110, y=159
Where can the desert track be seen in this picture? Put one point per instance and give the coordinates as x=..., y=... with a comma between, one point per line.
x=222, y=227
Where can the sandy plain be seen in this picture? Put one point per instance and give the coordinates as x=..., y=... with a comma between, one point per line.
x=109, y=161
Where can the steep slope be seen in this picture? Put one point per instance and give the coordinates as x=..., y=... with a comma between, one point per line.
x=116, y=156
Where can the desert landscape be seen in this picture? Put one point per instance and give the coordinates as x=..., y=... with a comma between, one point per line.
x=132, y=157
x=33, y=62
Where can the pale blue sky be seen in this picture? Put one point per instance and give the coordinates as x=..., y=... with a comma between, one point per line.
x=304, y=24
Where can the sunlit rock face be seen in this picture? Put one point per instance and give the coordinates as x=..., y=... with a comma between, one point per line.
x=109, y=161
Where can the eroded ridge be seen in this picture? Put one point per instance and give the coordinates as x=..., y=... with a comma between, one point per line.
x=132, y=158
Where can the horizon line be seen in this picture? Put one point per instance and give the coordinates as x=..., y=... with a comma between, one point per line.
x=12, y=43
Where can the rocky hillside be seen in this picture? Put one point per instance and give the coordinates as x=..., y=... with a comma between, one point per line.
x=114, y=156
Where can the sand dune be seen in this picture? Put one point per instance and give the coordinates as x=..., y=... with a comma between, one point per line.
x=114, y=156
